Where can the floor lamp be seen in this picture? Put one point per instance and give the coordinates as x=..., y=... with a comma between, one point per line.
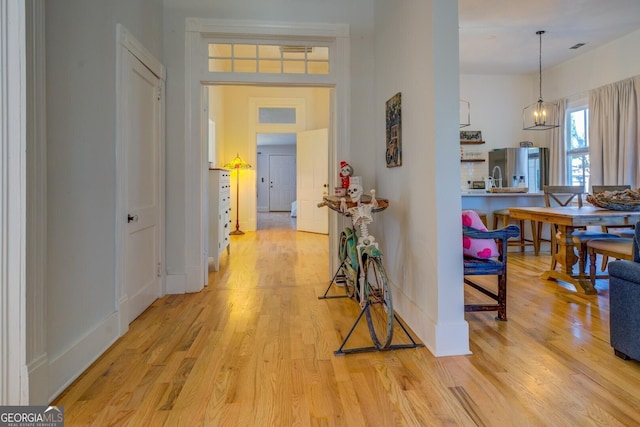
x=237, y=164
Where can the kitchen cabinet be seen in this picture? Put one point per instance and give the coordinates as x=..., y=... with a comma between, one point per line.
x=219, y=213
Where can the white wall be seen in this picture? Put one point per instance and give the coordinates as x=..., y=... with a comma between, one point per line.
x=496, y=110
x=81, y=135
x=357, y=13
x=416, y=53
x=610, y=63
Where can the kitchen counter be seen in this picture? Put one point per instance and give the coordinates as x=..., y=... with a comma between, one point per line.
x=485, y=193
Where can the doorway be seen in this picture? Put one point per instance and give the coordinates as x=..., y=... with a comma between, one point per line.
x=261, y=123
x=202, y=34
x=275, y=171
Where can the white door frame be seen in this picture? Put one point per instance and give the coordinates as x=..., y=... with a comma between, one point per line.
x=255, y=128
x=13, y=142
x=127, y=43
x=197, y=31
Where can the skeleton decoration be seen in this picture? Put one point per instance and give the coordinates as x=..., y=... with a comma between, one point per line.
x=374, y=202
x=355, y=192
x=343, y=205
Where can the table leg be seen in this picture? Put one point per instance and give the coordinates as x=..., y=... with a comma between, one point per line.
x=566, y=257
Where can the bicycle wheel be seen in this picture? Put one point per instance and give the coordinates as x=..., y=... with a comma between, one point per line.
x=348, y=273
x=379, y=309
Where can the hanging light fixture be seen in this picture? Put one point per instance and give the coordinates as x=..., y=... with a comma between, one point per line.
x=465, y=115
x=541, y=115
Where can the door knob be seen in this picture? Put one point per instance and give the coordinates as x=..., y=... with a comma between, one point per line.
x=132, y=218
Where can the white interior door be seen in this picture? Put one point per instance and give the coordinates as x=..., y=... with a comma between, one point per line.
x=142, y=139
x=313, y=180
x=282, y=182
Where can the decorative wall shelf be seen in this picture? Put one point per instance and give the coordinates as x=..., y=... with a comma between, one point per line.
x=471, y=142
x=471, y=160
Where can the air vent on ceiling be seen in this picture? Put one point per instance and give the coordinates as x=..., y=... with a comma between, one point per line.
x=577, y=45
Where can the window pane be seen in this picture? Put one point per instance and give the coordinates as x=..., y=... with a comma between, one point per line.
x=580, y=170
x=244, y=50
x=269, y=51
x=578, y=129
x=244, y=65
x=268, y=58
x=220, y=50
x=293, y=67
x=276, y=115
x=294, y=52
x=272, y=67
x=319, y=53
x=220, y=65
x=318, y=68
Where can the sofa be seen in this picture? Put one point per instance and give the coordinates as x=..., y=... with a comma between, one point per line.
x=624, y=299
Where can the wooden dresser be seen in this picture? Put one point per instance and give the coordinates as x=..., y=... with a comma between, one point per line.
x=219, y=213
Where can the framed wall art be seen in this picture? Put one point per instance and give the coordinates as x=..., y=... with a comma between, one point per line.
x=394, y=131
x=471, y=137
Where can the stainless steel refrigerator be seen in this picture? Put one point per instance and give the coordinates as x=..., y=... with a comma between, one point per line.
x=510, y=166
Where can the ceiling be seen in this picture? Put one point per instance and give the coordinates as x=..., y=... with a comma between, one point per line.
x=499, y=36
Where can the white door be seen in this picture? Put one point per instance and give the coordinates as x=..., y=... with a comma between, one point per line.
x=282, y=182
x=142, y=147
x=313, y=180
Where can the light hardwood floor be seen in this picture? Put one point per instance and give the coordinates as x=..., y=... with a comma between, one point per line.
x=255, y=348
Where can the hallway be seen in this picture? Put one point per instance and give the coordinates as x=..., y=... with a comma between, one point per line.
x=255, y=348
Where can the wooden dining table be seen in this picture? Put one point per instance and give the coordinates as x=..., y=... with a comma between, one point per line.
x=567, y=219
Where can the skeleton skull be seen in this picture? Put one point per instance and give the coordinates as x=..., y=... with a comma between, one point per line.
x=355, y=191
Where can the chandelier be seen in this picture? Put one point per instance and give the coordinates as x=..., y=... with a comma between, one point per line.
x=540, y=115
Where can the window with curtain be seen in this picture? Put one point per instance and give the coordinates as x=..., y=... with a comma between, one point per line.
x=577, y=147
x=614, y=134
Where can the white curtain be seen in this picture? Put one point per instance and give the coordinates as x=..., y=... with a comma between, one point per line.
x=614, y=134
x=557, y=148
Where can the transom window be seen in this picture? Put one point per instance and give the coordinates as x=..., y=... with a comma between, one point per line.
x=268, y=58
x=276, y=115
x=578, y=165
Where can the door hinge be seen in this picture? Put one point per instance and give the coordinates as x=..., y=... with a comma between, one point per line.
x=159, y=270
x=159, y=93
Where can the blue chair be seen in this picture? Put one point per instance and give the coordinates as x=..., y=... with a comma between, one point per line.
x=492, y=266
x=624, y=301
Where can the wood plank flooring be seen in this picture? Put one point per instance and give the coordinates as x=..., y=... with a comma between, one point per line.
x=255, y=348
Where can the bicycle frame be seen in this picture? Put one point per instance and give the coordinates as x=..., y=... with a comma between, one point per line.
x=360, y=257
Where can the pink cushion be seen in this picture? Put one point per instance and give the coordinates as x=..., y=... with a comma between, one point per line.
x=477, y=248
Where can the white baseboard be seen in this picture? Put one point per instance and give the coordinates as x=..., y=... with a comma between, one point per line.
x=176, y=283
x=39, y=380
x=123, y=315
x=442, y=339
x=68, y=366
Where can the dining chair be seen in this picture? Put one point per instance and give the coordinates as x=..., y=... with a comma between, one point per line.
x=501, y=219
x=568, y=195
x=618, y=247
x=626, y=231
x=496, y=266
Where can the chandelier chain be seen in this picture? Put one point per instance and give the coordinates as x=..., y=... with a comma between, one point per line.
x=540, y=33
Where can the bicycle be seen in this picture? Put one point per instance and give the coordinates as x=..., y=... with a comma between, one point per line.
x=365, y=278
x=362, y=272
